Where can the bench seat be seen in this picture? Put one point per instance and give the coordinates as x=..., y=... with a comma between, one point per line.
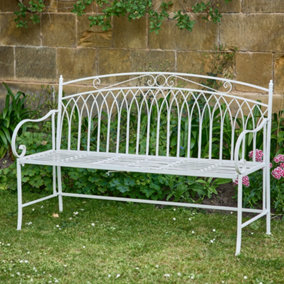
x=140, y=163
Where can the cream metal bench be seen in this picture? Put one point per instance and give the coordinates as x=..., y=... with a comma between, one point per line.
x=174, y=96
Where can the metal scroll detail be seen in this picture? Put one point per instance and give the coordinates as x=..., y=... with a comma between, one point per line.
x=161, y=80
x=227, y=86
x=96, y=82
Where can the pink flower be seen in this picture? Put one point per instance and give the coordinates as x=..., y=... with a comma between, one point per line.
x=279, y=158
x=245, y=181
x=278, y=173
x=258, y=155
x=282, y=165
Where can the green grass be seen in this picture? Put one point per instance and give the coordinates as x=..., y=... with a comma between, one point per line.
x=112, y=242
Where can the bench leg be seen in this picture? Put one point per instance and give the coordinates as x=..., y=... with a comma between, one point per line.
x=54, y=180
x=20, y=202
x=267, y=191
x=239, y=222
x=60, y=201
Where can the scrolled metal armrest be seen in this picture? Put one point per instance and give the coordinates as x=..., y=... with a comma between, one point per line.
x=241, y=164
x=19, y=125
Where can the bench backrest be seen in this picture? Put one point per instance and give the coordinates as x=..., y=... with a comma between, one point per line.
x=151, y=113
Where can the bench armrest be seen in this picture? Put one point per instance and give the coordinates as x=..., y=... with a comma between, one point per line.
x=20, y=124
x=241, y=164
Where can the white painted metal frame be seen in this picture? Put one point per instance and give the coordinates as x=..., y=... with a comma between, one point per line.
x=176, y=94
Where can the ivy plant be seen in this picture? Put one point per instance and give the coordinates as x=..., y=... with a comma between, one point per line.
x=28, y=12
x=133, y=9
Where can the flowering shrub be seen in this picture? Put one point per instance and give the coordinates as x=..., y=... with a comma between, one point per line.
x=245, y=181
x=279, y=158
x=253, y=184
x=278, y=173
x=258, y=155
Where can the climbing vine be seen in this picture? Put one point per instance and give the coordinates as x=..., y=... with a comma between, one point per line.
x=29, y=11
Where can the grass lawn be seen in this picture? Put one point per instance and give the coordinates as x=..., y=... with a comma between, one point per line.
x=111, y=242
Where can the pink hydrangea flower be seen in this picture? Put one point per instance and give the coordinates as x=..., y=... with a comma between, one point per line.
x=258, y=155
x=279, y=158
x=278, y=173
x=245, y=181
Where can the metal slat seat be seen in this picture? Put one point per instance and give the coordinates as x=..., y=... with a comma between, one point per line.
x=139, y=163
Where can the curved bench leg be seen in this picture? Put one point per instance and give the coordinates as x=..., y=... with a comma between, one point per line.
x=60, y=201
x=19, y=187
x=239, y=222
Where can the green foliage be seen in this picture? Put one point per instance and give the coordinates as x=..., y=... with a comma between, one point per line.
x=42, y=102
x=133, y=9
x=277, y=134
x=14, y=111
x=211, y=11
x=80, y=6
x=33, y=9
x=156, y=18
x=184, y=21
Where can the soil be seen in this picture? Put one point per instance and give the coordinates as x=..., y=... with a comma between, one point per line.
x=6, y=161
x=225, y=195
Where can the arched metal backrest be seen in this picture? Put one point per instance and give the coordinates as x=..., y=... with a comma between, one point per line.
x=170, y=114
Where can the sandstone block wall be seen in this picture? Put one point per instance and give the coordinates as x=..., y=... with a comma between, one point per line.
x=65, y=44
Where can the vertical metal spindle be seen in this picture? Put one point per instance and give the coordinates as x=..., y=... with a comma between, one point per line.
x=179, y=115
x=79, y=131
x=221, y=139
x=59, y=119
x=138, y=129
x=148, y=129
x=127, y=127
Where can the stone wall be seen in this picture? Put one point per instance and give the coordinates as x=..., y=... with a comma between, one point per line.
x=65, y=44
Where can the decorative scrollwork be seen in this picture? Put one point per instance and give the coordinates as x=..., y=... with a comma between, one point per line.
x=15, y=133
x=96, y=82
x=160, y=80
x=170, y=81
x=23, y=149
x=228, y=86
x=152, y=81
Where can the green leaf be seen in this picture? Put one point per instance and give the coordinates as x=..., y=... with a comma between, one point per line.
x=4, y=140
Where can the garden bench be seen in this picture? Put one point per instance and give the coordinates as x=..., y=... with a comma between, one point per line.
x=157, y=122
